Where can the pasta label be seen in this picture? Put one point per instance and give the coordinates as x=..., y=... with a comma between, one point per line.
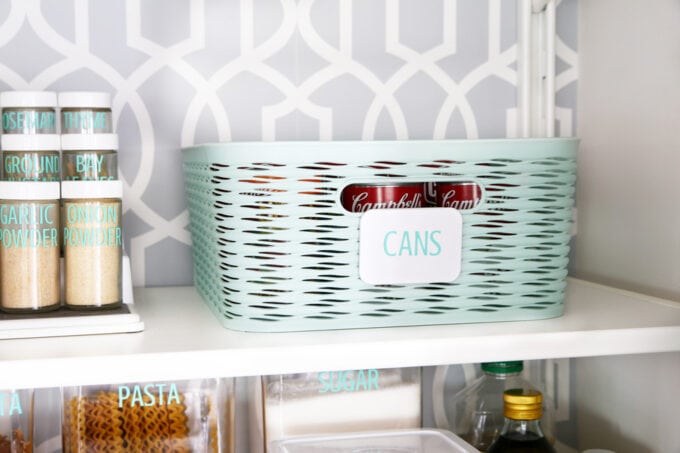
x=148, y=395
x=10, y=404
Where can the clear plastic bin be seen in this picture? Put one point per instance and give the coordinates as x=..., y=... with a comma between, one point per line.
x=186, y=416
x=409, y=441
x=340, y=401
x=16, y=421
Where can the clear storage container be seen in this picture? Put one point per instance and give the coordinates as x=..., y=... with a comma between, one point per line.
x=93, y=244
x=340, y=401
x=407, y=441
x=16, y=421
x=187, y=416
x=29, y=246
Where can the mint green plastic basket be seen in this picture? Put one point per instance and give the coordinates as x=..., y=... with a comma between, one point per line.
x=274, y=250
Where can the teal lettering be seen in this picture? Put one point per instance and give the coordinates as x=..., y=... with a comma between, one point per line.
x=405, y=244
x=152, y=399
x=415, y=243
x=385, y=239
x=137, y=397
x=173, y=395
x=348, y=381
x=373, y=379
x=123, y=394
x=149, y=395
x=421, y=242
x=15, y=405
x=361, y=383
x=160, y=393
x=435, y=242
x=325, y=385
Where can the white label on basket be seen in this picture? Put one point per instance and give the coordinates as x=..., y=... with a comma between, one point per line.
x=418, y=245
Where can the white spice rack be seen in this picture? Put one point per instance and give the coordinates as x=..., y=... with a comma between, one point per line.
x=66, y=322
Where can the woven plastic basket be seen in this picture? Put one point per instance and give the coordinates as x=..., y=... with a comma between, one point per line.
x=274, y=249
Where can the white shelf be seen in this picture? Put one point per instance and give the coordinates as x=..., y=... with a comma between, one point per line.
x=183, y=340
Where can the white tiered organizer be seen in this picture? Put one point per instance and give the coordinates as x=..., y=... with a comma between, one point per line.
x=66, y=322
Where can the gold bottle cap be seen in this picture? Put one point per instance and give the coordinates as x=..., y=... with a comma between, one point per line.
x=522, y=404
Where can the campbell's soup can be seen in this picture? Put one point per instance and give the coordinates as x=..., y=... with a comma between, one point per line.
x=362, y=197
x=458, y=195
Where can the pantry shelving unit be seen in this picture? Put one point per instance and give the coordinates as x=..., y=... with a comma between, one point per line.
x=183, y=340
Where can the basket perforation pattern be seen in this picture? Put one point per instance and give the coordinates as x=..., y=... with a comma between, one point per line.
x=275, y=251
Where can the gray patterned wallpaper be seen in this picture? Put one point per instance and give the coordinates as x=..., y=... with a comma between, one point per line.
x=190, y=71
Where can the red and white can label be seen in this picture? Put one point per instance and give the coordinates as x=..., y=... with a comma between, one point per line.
x=402, y=246
x=363, y=197
x=458, y=195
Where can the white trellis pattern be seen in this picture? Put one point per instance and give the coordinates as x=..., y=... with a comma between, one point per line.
x=187, y=71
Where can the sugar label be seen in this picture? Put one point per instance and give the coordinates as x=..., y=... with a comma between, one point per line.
x=348, y=381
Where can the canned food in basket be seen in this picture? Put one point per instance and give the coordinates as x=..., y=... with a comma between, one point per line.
x=460, y=195
x=362, y=197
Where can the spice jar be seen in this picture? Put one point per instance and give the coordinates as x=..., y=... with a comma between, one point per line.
x=29, y=250
x=29, y=112
x=30, y=157
x=90, y=157
x=85, y=112
x=92, y=240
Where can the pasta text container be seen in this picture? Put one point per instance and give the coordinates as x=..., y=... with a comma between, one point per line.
x=275, y=250
x=188, y=416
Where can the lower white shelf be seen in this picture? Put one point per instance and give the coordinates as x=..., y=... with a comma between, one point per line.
x=182, y=340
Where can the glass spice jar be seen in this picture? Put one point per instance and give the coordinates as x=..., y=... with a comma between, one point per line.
x=89, y=157
x=31, y=157
x=93, y=244
x=29, y=112
x=29, y=247
x=85, y=112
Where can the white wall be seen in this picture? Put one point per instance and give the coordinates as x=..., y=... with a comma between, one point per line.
x=628, y=191
x=628, y=197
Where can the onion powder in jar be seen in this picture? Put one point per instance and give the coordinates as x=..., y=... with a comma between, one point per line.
x=29, y=247
x=89, y=157
x=31, y=157
x=93, y=244
x=85, y=112
x=29, y=112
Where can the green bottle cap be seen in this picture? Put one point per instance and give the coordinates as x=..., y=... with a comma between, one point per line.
x=503, y=367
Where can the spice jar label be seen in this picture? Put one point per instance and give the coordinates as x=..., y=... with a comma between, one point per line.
x=10, y=404
x=31, y=166
x=94, y=121
x=92, y=225
x=29, y=225
x=28, y=121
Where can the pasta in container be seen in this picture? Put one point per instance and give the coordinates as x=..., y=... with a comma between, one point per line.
x=186, y=416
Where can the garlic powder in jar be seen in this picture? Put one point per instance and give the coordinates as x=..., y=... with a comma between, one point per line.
x=29, y=246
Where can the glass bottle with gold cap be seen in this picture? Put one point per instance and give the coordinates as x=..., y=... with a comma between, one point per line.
x=522, y=432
